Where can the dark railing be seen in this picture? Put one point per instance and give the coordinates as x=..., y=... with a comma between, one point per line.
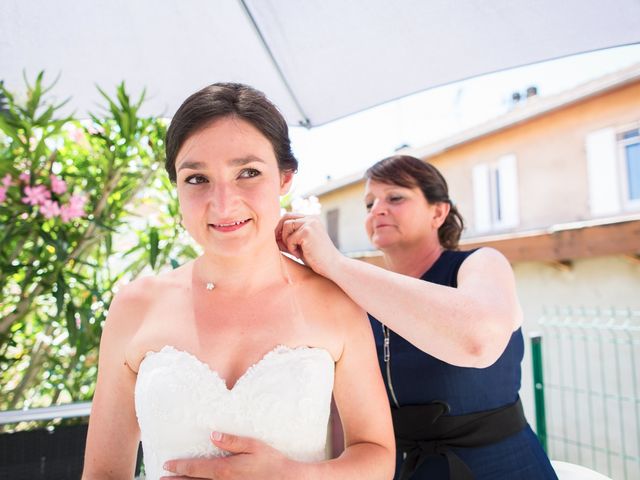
x=52, y=453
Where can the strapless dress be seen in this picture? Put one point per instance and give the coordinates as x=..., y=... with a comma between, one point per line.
x=283, y=400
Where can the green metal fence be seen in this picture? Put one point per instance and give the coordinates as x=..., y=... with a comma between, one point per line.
x=588, y=398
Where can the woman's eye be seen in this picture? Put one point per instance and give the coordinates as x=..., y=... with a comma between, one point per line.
x=395, y=199
x=368, y=205
x=195, y=179
x=249, y=173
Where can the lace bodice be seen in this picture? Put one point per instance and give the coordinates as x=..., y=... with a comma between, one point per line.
x=283, y=400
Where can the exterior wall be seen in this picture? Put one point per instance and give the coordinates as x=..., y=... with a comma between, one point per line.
x=551, y=159
x=551, y=166
x=349, y=201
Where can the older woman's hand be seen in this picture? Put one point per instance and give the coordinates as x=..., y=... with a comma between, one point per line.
x=305, y=237
x=250, y=459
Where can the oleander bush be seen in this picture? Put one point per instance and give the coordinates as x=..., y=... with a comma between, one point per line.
x=84, y=206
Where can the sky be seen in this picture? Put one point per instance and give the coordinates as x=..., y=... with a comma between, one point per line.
x=350, y=145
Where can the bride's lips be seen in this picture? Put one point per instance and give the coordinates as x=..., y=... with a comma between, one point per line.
x=229, y=226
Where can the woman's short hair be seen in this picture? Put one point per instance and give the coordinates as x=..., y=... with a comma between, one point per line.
x=229, y=100
x=410, y=172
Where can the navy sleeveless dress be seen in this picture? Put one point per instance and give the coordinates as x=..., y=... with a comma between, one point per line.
x=418, y=378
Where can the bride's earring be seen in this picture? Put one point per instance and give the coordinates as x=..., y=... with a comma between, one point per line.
x=210, y=286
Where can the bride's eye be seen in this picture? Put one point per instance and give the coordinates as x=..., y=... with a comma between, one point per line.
x=195, y=179
x=249, y=173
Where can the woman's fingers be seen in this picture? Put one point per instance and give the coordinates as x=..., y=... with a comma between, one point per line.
x=306, y=238
x=284, y=229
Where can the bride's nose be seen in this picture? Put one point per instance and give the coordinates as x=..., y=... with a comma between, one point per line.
x=222, y=197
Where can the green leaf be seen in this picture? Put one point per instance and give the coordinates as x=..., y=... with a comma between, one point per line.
x=45, y=117
x=131, y=250
x=154, y=240
x=141, y=99
x=109, y=244
x=8, y=127
x=34, y=94
x=60, y=291
x=72, y=328
x=113, y=108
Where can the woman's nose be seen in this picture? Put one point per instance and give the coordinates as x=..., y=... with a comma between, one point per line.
x=378, y=208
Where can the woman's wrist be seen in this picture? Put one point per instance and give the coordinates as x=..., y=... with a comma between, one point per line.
x=334, y=268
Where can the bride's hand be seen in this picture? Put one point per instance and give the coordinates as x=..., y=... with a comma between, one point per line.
x=305, y=237
x=250, y=459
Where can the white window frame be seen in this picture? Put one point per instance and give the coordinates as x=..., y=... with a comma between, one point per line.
x=496, y=198
x=627, y=202
x=607, y=171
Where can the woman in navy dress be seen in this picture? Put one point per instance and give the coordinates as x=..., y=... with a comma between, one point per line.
x=446, y=324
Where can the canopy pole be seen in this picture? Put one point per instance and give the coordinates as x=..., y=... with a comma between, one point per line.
x=305, y=122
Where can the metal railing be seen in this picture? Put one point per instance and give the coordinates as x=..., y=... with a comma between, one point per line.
x=588, y=401
x=72, y=410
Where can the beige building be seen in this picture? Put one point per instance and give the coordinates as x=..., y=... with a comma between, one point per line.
x=554, y=184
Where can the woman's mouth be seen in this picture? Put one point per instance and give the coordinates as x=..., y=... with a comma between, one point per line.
x=229, y=226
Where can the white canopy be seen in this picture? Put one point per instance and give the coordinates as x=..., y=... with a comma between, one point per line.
x=318, y=60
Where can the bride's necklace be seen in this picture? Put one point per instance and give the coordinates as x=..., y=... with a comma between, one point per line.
x=209, y=285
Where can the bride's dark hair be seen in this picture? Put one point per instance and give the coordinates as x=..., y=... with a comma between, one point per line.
x=229, y=100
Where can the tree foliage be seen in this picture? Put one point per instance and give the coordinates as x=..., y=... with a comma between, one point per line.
x=83, y=206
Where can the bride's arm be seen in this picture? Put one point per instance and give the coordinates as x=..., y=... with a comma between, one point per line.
x=113, y=436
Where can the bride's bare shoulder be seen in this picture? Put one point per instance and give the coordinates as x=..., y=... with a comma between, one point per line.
x=136, y=297
x=322, y=292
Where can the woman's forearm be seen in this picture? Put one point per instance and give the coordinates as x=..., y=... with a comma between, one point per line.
x=448, y=323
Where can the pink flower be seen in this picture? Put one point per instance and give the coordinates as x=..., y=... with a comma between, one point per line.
x=36, y=195
x=75, y=208
x=50, y=209
x=6, y=181
x=25, y=177
x=67, y=213
x=58, y=185
x=77, y=135
x=3, y=194
x=78, y=201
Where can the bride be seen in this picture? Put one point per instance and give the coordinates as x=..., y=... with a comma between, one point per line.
x=225, y=367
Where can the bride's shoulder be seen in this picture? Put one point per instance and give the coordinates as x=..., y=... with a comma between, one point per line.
x=319, y=290
x=136, y=297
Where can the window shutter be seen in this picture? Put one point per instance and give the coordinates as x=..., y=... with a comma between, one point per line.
x=509, y=205
x=602, y=169
x=481, y=198
x=332, y=226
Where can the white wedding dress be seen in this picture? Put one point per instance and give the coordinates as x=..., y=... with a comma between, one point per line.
x=283, y=400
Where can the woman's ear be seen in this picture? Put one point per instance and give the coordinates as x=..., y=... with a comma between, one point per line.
x=286, y=179
x=440, y=212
